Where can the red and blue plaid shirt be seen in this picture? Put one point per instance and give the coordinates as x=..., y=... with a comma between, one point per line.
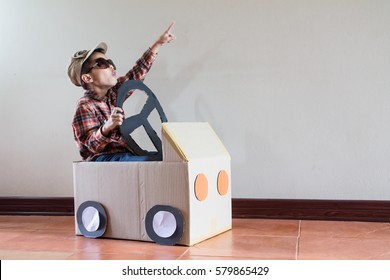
x=93, y=111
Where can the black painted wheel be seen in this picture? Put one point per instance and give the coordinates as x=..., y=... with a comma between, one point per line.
x=91, y=219
x=164, y=224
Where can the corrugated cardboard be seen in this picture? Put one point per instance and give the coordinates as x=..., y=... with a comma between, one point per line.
x=127, y=190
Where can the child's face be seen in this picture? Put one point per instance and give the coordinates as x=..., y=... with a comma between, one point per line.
x=104, y=78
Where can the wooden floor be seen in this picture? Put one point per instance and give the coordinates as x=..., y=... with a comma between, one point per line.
x=42, y=237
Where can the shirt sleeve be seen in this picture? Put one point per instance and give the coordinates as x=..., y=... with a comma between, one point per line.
x=140, y=69
x=87, y=130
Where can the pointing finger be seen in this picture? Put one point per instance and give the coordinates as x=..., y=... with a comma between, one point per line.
x=170, y=27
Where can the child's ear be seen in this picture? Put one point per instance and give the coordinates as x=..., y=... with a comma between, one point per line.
x=86, y=78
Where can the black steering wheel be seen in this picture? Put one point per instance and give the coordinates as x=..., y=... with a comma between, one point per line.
x=133, y=122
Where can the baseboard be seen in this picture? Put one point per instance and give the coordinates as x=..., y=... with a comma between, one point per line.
x=306, y=209
x=297, y=209
x=51, y=206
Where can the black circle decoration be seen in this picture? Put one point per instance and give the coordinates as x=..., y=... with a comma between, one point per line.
x=141, y=119
x=91, y=219
x=164, y=224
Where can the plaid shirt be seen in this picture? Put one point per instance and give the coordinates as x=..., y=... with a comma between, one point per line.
x=92, y=112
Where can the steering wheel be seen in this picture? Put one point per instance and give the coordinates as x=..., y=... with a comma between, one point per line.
x=133, y=122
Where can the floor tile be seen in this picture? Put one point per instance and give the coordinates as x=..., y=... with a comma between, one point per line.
x=33, y=255
x=337, y=248
x=40, y=237
x=228, y=245
x=345, y=229
x=8, y=235
x=122, y=256
x=265, y=227
x=136, y=248
x=41, y=241
x=37, y=222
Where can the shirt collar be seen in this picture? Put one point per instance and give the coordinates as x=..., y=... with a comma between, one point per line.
x=93, y=95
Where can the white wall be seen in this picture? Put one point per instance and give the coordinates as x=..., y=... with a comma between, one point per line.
x=299, y=91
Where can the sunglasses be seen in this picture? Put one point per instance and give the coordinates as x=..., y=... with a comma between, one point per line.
x=101, y=63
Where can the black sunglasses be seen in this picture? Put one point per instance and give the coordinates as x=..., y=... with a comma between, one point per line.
x=101, y=63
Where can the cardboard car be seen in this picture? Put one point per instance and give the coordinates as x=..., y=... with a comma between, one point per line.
x=183, y=199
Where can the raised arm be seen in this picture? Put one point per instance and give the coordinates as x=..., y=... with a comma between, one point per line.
x=164, y=38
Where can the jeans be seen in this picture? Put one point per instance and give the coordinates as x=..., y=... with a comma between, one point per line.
x=151, y=156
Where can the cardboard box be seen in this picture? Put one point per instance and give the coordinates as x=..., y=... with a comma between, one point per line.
x=194, y=178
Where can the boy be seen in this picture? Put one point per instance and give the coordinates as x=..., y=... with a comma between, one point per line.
x=97, y=119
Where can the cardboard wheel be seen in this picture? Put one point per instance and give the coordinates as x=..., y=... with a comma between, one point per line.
x=164, y=224
x=91, y=219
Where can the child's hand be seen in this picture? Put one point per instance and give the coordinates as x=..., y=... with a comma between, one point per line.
x=116, y=119
x=166, y=37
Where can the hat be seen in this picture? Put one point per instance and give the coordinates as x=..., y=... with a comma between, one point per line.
x=77, y=61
